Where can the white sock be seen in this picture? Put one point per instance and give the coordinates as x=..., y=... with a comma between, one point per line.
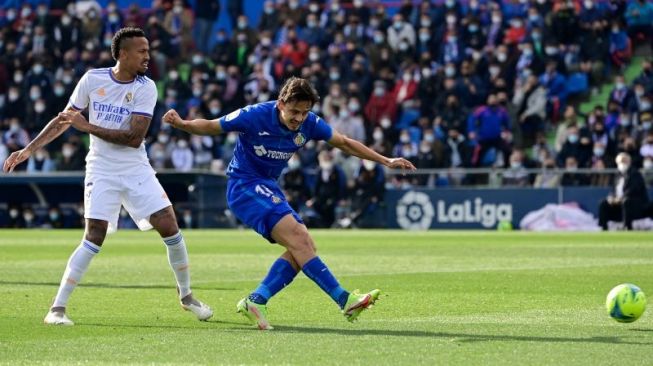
x=77, y=266
x=178, y=259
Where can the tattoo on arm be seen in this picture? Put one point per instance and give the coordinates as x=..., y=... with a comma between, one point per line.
x=133, y=137
x=50, y=132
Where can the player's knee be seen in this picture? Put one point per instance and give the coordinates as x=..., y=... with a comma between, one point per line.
x=95, y=233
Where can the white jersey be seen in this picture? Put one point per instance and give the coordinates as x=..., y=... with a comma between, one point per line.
x=111, y=104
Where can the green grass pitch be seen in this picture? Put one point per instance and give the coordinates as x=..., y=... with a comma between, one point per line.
x=450, y=298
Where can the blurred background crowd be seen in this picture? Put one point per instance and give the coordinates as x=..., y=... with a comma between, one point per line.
x=446, y=84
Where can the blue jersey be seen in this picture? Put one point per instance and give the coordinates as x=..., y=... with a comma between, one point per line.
x=265, y=145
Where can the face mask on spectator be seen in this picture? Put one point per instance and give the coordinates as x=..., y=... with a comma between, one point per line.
x=173, y=75
x=354, y=106
x=646, y=125
x=644, y=106
x=66, y=79
x=551, y=50
x=622, y=167
x=599, y=151
x=39, y=155
x=67, y=152
x=588, y=4
x=293, y=5
x=429, y=137
x=473, y=28
x=386, y=123
x=314, y=8
x=377, y=135
x=197, y=59
x=369, y=165
x=573, y=138
x=452, y=39
x=527, y=51
x=18, y=78
x=28, y=216
x=197, y=92
x=34, y=95
x=426, y=73
x=515, y=164
x=425, y=148
x=406, y=77
x=449, y=71
x=398, y=24
x=13, y=95
x=25, y=12
x=39, y=107
x=220, y=75
x=242, y=24
x=326, y=165
x=314, y=56
x=294, y=164
x=14, y=127
x=42, y=11
x=615, y=30
x=502, y=57
x=450, y=3
x=620, y=85
x=425, y=22
x=648, y=164
x=343, y=113
x=182, y=144
x=496, y=19
x=163, y=139
x=177, y=9
x=494, y=71
x=231, y=138
x=11, y=15
x=403, y=46
x=404, y=138
x=378, y=38
x=424, y=37
x=451, y=20
x=379, y=92
x=215, y=110
x=334, y=75
x=624, y=122
x=54, y=215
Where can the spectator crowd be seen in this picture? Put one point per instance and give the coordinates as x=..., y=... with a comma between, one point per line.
x=445, y=84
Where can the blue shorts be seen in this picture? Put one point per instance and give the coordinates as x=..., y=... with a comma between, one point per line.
x=259, y=203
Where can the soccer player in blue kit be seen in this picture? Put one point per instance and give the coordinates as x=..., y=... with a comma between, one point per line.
x=269, y=134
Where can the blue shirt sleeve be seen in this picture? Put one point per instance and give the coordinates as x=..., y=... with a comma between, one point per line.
x=239, y=120
x=323, y=130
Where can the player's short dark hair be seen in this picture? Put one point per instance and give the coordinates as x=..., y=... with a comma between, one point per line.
x=121, y=35
x=298, y=89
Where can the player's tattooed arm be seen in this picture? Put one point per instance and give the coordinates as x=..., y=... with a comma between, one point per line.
x=50, y=132
x=132, y=137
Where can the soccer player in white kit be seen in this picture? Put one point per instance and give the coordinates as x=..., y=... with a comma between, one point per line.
x=120, y=102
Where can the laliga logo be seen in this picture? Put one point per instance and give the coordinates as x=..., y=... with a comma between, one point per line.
x=415, y=212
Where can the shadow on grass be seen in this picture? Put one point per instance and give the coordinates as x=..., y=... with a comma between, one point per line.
x=459, y=337
x=110, y=285
x=191, y=325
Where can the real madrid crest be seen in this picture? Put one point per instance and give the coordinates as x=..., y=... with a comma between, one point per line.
x=299, y=139
x=129, y=97
x=276, y=200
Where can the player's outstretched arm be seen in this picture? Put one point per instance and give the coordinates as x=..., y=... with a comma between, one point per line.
x=353, y=147
x=50, y=132
x=195, y=127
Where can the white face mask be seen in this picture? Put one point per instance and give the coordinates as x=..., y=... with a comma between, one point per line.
x=623, y=168
x=404, y=138
x=326, y=165
x=386, y=123
x=648, y=164
x=369, y=165
x=294, y=164
x=39, y=107
x=377, y=135
x=182, y=144
x=163, y=139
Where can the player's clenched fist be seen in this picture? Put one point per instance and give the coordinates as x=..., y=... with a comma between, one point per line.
x=172, y=117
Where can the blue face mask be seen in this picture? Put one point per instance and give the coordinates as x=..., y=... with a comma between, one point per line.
x=572, y=138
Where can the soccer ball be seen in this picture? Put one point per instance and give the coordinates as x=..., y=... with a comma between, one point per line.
x=626, y=303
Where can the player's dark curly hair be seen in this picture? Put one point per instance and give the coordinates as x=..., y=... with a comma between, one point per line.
x=121, y=35
x=298, y=89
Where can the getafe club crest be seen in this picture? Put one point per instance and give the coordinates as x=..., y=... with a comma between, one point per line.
x=299, y=139
x=129, y=97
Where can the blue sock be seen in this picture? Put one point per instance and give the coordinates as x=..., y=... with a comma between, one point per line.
x=317, y=271
x=280, y=275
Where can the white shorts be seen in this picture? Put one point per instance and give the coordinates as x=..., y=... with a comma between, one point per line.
x=141, y=195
